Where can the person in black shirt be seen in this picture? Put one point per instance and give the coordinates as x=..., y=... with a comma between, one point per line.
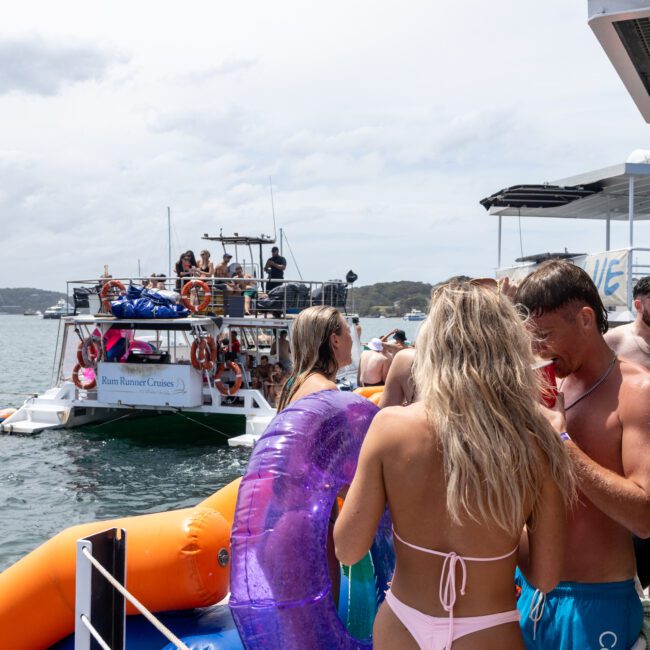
x=275, y=266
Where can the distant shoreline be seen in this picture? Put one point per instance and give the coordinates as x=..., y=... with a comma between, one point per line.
x=389, y=299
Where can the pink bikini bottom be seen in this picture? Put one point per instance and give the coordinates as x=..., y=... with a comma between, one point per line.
x=437, y=632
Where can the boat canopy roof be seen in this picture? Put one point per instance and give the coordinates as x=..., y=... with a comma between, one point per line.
x=240, y=240
x=599, y=194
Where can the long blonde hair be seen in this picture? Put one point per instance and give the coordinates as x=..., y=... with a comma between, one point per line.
x=473, y=372
x=310, y=348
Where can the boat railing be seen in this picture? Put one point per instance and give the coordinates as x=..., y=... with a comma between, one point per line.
x=100, y=603
x=235, y=297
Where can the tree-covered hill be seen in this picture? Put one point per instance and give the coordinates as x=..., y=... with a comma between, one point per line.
x=17, y=300
x=390, y=298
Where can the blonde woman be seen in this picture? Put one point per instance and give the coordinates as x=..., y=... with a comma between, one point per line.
x=464, y=470
x=205, y=267
x=321, y=343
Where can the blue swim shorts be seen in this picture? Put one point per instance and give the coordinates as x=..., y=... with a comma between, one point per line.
x=582, y=616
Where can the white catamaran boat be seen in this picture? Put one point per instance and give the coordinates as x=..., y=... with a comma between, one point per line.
x=617, y=193
x=119, y=373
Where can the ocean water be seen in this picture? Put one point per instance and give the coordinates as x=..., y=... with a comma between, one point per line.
x=59, y=478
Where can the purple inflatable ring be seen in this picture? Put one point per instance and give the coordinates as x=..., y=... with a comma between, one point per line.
x=279, y=583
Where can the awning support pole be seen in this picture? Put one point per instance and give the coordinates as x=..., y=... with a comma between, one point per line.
x=499, y=246
x=607, y=228
x=630, y=218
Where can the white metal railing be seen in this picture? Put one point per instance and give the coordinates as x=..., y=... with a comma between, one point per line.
x=304, y=293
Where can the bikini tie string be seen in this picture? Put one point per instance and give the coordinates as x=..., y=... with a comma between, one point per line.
x=447, y=591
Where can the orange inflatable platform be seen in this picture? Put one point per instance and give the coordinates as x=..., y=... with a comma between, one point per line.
x=171, y=563
x=373, y=393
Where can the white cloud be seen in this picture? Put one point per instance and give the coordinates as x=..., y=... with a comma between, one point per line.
x=34, y=65
x=382, y=126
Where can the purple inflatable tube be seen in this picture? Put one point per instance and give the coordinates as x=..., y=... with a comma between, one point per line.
x=280, y=587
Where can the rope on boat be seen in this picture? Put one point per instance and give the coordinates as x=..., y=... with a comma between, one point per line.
x=207, y=426
x=94, y=632
x=136, y=603
x=119, y=417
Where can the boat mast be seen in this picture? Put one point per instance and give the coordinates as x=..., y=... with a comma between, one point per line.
x=169, y=243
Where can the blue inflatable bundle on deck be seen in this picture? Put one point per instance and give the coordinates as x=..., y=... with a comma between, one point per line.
x=144, y=303
x=280, y=587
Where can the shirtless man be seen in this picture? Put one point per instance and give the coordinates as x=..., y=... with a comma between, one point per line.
x=400, y=388
x=283, y=350
x=604, y=419
x=221, y=269
x=632, y=341
x=373, y=365
x=397, y=343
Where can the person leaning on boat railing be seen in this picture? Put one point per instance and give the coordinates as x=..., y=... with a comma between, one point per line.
x=185, y=268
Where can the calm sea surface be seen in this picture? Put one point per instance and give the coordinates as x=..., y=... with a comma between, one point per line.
x=59, y=478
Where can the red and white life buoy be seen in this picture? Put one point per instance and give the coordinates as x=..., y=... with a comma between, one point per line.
x=89, y=352
x=203, y=353
x=221, y=387
x=107, y=290
x=186, y=291
x=80, y=377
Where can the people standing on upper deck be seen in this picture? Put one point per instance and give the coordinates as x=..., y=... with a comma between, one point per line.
x=604, y=422
x=274, y=267
x=221, y=269
x=185, y=268
x=206, y=267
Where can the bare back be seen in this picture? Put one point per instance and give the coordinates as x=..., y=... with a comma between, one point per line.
x=373, y=368
x=400, y=386
x=416, y=492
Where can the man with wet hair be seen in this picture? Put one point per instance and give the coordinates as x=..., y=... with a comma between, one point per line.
x=603, y=415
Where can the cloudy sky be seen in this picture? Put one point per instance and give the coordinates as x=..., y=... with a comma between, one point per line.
x=381, y=124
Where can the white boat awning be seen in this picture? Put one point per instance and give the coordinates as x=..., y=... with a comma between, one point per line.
x=600, y=194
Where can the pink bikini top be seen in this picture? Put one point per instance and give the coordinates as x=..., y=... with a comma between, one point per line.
x=447, y=591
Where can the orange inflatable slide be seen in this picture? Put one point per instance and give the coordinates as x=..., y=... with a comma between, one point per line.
x=171, y=563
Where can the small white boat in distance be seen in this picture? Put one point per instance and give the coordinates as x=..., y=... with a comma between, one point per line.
x=62, y=308
x=415, y=314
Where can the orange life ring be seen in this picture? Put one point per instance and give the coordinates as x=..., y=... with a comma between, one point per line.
x=185, y=295
x=89, y=352
x=220, y=385
x=106, y=290
x=80, y=382
x=203, y=353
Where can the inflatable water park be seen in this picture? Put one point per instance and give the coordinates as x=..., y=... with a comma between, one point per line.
x=245, y=568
